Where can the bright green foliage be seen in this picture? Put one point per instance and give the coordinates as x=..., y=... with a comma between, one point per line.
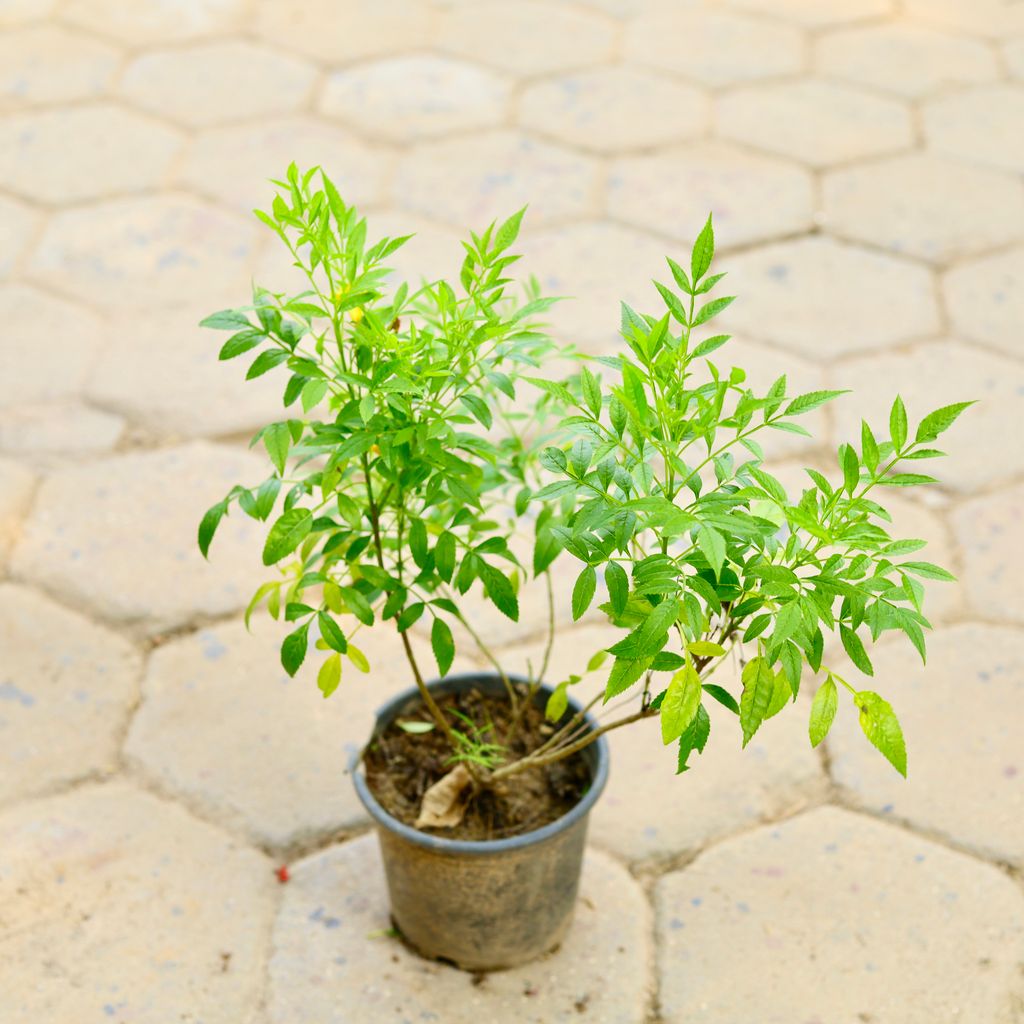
x=389, y=492
x=664, y=494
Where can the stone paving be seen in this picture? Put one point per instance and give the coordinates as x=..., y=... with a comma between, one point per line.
x=863, y=159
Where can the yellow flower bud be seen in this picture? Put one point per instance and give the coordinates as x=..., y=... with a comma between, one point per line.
x=356, y=314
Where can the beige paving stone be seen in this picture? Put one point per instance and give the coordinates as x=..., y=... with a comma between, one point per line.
x=614, y=109
x=809, y=295
x=985, y=299
x=988, y=533
x=936, y=374
x=714, y=48
x=118, y=536
x=841, y=919
x=528, y=37
x=819, y=123
x=753, y=198
x=1013, y=57
x=210, y=83
x=924, y=205
x=813, y=13
x=907, y=59
x=413, y=97
x=17, y=12
x=47, y=64
x=343, y=30
x=118, y=906
x=66, y=689
x=996, y=18
x=595, y=265
x=979, y=126
x=328, y=940
x=16, y=485
x=235, y=165
x=472, y=181
x=155, y=21
x=114, y=151
x=222, y=726
x=47, y=345
x=140, y=252
x=17, y=226
x=727, y=788
x=55, y=433
x=974, y=668
x=163, y=373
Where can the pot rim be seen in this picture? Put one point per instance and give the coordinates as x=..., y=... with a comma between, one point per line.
x=388, y=711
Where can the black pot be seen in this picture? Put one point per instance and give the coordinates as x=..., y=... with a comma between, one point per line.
x=483, y=905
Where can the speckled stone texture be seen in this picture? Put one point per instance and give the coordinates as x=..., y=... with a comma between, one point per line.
x=862, y=159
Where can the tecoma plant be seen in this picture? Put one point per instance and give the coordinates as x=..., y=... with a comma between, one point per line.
x=406, y=462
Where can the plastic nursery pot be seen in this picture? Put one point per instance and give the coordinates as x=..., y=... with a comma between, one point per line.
x=483, y=905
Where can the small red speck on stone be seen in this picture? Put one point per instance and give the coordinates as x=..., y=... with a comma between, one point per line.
x=282, y=874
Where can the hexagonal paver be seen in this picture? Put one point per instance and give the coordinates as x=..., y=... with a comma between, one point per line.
x=1013, y=57
x=988, y=532
x=924, y=205
x=66, y=688
x=155, y=21
x=819, y=123
x=118, y=905
x=16, y=485
x=220, y=717
x=954, y=710
x=472, y=181
x=33, y=320
x=528, y=37
x=753, y=198
x=164, y=373
x=17, y=12
x=117, y=536
x=810, y=294
x=328, y=939
x=932, y=375
x=170, y=249
x=234, y=165
x=46, y=64
x=209, y=83
x=714, y=47
x=115, y=151
x=906, y=59
x=979, y=125
x=985, y=300
x=415, y=97
x=344, y=30
x=50, y=433
x=595, y=265
x=839, y=918
x=614, y=109
x=996, y=18
x=17, y=226
x=815, y=14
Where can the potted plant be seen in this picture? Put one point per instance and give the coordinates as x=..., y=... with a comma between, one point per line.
x=406, y=468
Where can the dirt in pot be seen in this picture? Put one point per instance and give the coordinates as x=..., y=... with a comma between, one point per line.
x=401, y=766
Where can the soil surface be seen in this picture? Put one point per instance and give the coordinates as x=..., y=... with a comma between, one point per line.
x=401, y=766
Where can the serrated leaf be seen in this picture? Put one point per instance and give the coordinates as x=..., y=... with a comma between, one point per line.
x=277, y=439
x=882, y=728
x=854, y=647
x=444, y=556
x=443, y=644
x=811, y=400
x=823, y=710
x=580, y=455
x=508, y=232
x=928, y=570
x=208, y=525
x=332, y=634
x=591, y=387
x=939, y=421
x=583, y=591
x=694, y=737
x=618, y=587
x=293, y=649
x=723, y=696
x=703, y=251
x=758, y=688
x=287, y=533
x=625, y=672
x=558, y=702
x=906, y=480
x=679, y=706
x=329, y=676
x=500, y=591
x=712, y=546
x=898, y=423
x=226, y=320
x=418, y=542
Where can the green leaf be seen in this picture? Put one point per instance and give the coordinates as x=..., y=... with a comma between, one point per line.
x=712, y=545
x=357, y=658
x=293, y=649
x=287, y=533
x=414, y=728
x=928, y=571
x=694, y=737
x=618, y=587
x=418, y=542
x=811, y=400
x=851, y=469
x=209, y=523
x=558, y=702
x=580, y=455
x=854, y=647
x=478, y=409
x=500, y=591
x=758, y=688
x=869, y=447
x=712, y=309
x=625, y=672
x=443, y=643
x=823, y=710
x=329, y=676
x=508, y=232
x=333, y=635
x=941, y=420
x=226, y=320
x=882, y=728
x=906, y=480
x=583, y=591
x=266, y=361
x=240, y=343
x=277, y=439
x=703, y=251
x=705, y=649
x=591, y=391
x=723, y=696
x=682, y=698
x=444, y=556
x=898, y=423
